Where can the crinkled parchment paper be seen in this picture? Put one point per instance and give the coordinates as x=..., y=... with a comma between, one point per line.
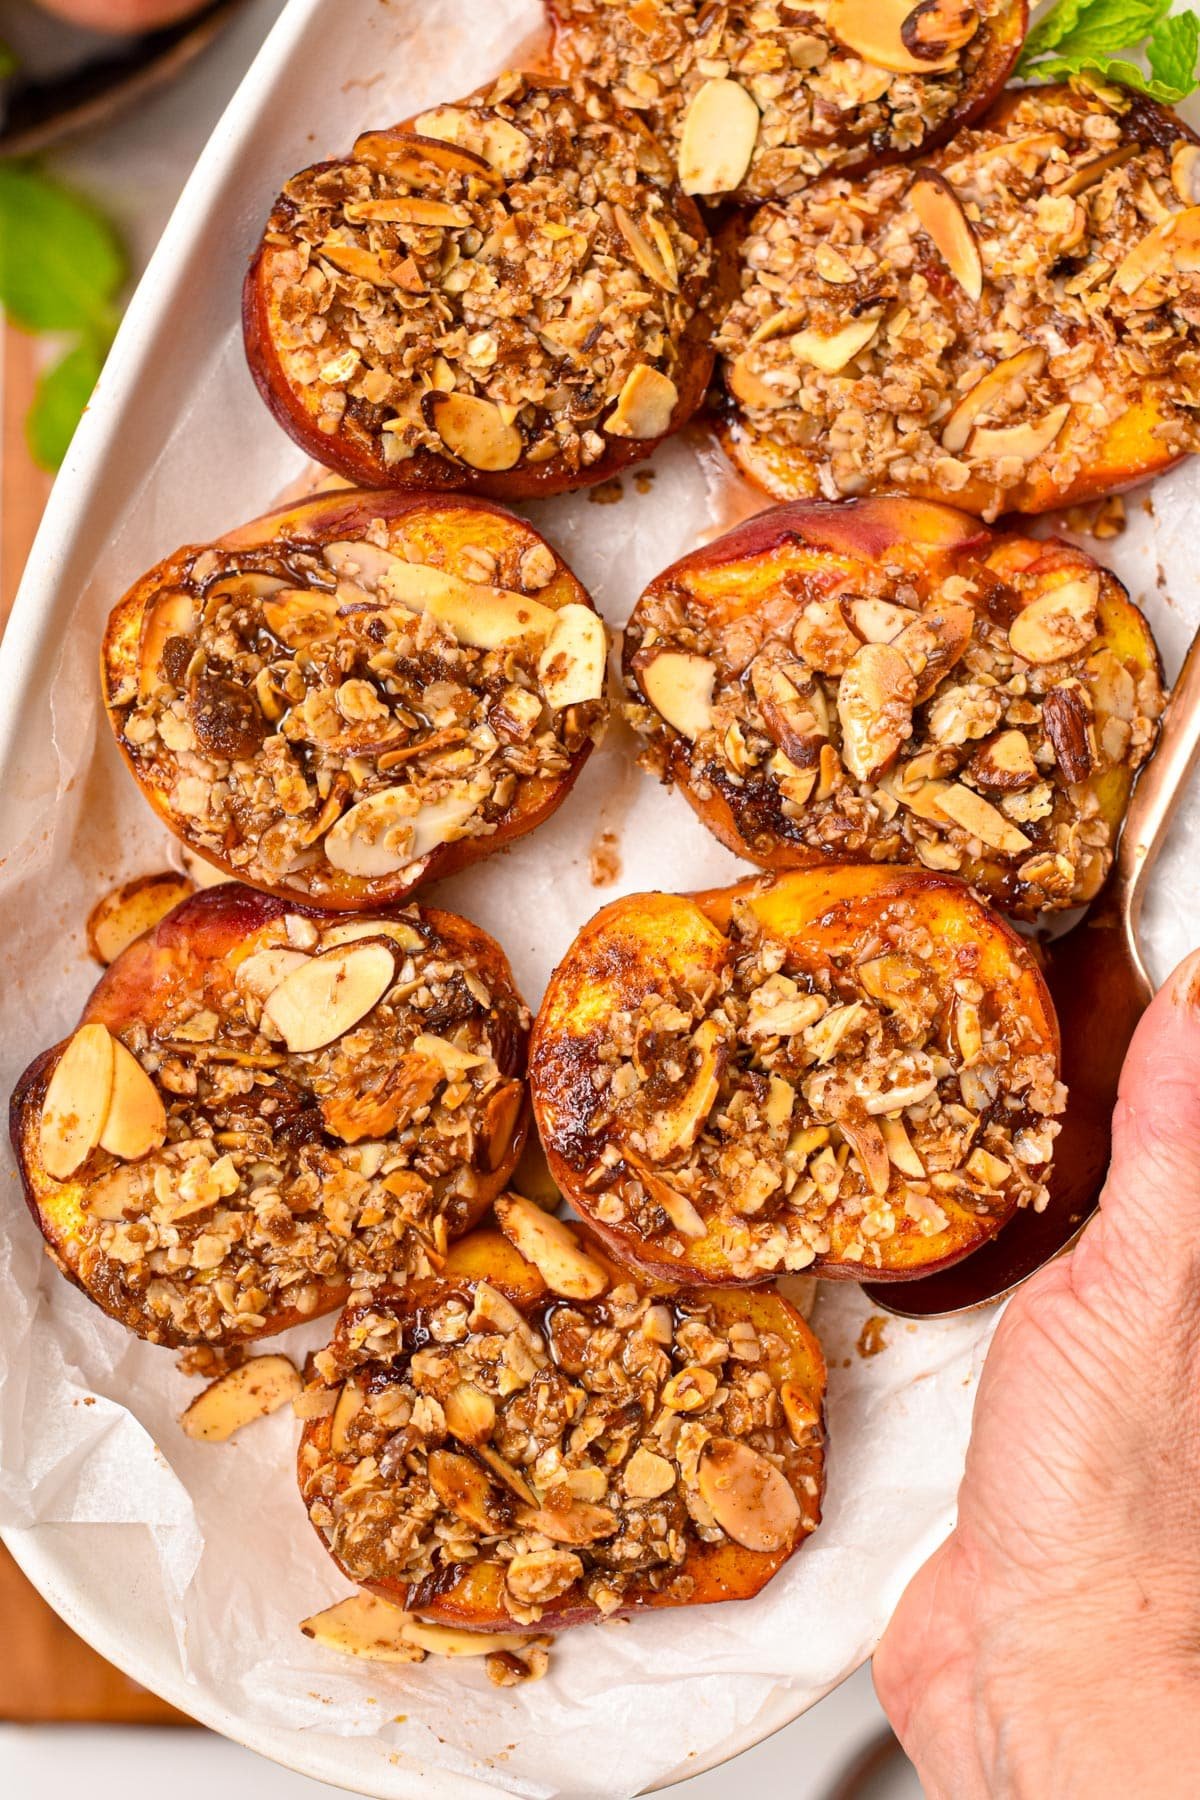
x=194, y=1560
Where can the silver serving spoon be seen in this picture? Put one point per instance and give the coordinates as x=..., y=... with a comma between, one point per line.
x=1101, y=989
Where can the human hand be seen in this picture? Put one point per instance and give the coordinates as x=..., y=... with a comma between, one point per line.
x=123, y=18
x=1051, y=1647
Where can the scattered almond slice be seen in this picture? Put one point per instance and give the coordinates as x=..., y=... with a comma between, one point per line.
x=503, y=146
x=172, y=613
x=981, y=819
x=362, y=264
x=350, y=1403
x=552, y=1247
x=873, y=29
x=424, y=160
x=390, y=830
x=678, y=1208
x=876, y=621
x=1067, y=719
x=899, y=1146
x=1004, y=763
x=317, y=1003
x=400, y=209
x=461, y=1485
x=832, y=351
x=1185, y=172
x=993, y=1171
x=677, y=1124
x=470, y=1413
x=749, y=1498
x=1089, y=173
x=801, y=1415
x=680, y=687
x=576, y=1524
x=512, y=1478
x=136, y=1121
x=132, y=909
x=407, y=936
x=749, y=387
x=720, y=131
x=866, y=1141
x=875, y=701
x=571, y=668
x=363, y=1626
x=474, y=430
x=260, y=973
x=481, y=616
x=647, y=1476
x=989, y=391
x=689, y=1389
x=940, y=212
x=1057, y=624
x=252, y=1391
x=1026, y=440
x=77, y=1101
x=934, y=642
x=648, y=258
x=1171, y=246
x=445, y=1640
x=644, y=406
x=452, y=1061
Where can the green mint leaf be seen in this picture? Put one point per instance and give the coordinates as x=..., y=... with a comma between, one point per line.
x=61, y=262
x=62, y=393
x=1049, y=33
x=1173, y=53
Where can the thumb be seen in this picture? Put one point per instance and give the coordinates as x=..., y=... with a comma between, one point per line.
x=1150, y=1207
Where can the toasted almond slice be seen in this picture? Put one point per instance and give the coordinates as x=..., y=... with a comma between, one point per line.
x=678, y=1123
x=875, y=701
x=1089, y=173
x=77, y=1101
x=866, y=1141
x=1170, y=246
x=1067, y=719
x=968, y=1031
x=795, y=713
x=571, y=667
x=470, y=1413
x=939, y=210
x=747, y=1496
x=993, y=1171
x=992, y=388
x=403, y=210
x=1004, y=763
x=503, y=146
x=422, y=160
x=1025, y=441
x=873, y=29
x=644, y=253
x=1185, y=172
x=934, y=642
x=895, y=1099
x=677, y=1206
x=363, y=1626
x=350, y=1403
x=832, y=351
x=720, y=130
x=131, y=909
x=389, y=831
x=512, y=1478
x=552, y=1247
x=446, y=1640
x=899, y=1146
x=689, y=1390
x=171, y=613
x=136, y=1121
x=577, y=1523
x=474, y=430
x=891, y=978
x=407, y=936
x=355, y=261
x=481, y=616
x=1057, y=624
x=680, y=687
x=251, y=1391
x=461, y=1485
x=746, y=385
x=937, y=28
x=644, y=406
x=798, y=1409
x=981, y=819
x=781, y=1102
x=260, y=973
x=440, y=1050
x=300, y=618
x=876, y=621
x=317, y=1003
x=647, y=1476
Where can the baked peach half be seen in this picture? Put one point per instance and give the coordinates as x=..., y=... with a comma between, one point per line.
x=542, y=1439
x=1012, y=326
x=263, y=1108
x=756, y=100
x=506, y=294
x=852, y=1070
x=888, y=680
x=357, y=694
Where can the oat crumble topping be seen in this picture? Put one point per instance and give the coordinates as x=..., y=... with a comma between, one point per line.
x=978, y=333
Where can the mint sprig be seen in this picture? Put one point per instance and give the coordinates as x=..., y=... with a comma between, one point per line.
x=61, y=268
x=1088, y=36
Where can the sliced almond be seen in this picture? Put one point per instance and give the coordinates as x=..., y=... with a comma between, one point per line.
x=407, y=936
x=1057, y=624
x=500, y=1115
x=678, y=1208
x=821, y=636
x=748, y=386
x=360, y=264
x=644, y=406
x=680, y=687
x=1005, y=379
x=1169, y=248
x=689, y=1390
x=645, y=254
x=552, y=1247
x=798, y=1409
x=875, y=701
x=77, y=1101
x=363, y=1626
x=749, y=1498
x=572, y=665
x=795, y=713
x=389, y=831
x=899, y=1147
x=484, y=617
x=132, y=909
x=452, y=1060
x=832, y=351
x=1025, y=441
x=647, y=1476
x=401, y=209
x=678, y=1122
x=938, y=28
x=781, y=1102
x=993, y=1171
x=350, y=1403
x=253, y=1390
x=170, y=614
x=1089, y=173
x=136, y=1121
x=870, y=1152
x=1067, y=719
x=299, y=618
x=503, y=146
x=474, y=430
x=876, y=621
x=874, y=29
x=720, y=130
x=463, y=1488
x=470, y=1413
x=1185, y=172
x=446, y=1640
x=940, y=212
x=112, y=1196
x=512, y=1478
x=575, y=1524
x=423, y=161
x=260, y=973
x=981, y=820
x=317, y=1003
x=968, y=1031
x=1004, y=763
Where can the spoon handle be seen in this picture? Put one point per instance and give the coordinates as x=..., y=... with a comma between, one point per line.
x=1159, y=787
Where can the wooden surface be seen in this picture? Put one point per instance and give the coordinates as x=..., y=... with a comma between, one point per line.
x=47, y=1674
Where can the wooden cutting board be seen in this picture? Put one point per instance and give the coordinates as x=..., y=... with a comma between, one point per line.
x=47, y=1673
